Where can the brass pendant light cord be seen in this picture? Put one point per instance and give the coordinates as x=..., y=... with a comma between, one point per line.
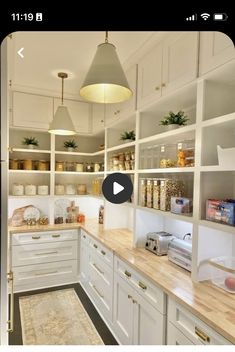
x=106, y=37
x=62, y=98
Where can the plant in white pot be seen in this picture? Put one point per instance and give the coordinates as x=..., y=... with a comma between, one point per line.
x=70, y=145
x=173, y=121
x=31, y=142
x=128, y=136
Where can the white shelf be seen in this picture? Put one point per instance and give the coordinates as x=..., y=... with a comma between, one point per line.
x=186, y=131
x=78, y=173
x=167, y=170
x=121, y=172
x=77, y=196
x=167, y=214
x=22, y=150
x=218, y=226
x=219, y=120
x=28, y=172
x=121, y=146
x=214, y=168
x=101, y=152
x=36, y=196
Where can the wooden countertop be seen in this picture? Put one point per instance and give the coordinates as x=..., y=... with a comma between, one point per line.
x=212, y=305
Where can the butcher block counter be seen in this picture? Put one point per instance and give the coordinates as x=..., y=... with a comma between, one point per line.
x=212, y=305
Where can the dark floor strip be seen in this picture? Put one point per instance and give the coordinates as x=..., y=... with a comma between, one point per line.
x=15, y=338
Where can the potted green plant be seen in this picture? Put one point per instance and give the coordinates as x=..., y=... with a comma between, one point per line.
x=173, y=121
x=70, y=145
x=128, y=136
x=31, y=142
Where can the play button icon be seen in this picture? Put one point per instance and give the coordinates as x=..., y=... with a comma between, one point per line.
x=117, y=188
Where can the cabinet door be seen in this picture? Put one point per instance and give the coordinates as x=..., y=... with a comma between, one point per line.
x=31, y=111
x=180, y=60
x=79, y=112
x=118, y=111
x=175, y=336
x=149, y=323
x=216, y=48
x=98, y=117
x=123, y=311
x=150, y=76
x=83, y=263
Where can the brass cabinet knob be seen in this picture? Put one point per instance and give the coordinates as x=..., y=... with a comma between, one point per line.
x=163, y=84
x=129, y=296
x=157, y=88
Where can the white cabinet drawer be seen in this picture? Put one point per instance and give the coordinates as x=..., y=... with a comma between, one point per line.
x=192, y=327
x=44, y=275
x=150, y=292
x=102, y=252
x=98, y=267
x=43, y=237
x=85, y=238
x=176, y=337
x=44, y=253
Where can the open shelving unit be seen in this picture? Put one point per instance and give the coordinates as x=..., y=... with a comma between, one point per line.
x=210, y=105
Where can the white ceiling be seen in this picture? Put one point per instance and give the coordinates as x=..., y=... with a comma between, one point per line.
x=47, y=53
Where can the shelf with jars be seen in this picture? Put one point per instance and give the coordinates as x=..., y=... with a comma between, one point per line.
x=122, y=162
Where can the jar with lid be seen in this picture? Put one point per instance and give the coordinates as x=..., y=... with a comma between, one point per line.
x=59, y=166
x=101, y=214
x=43, y=165
x=28, y=164
x=14, y=164
x=70, y=166
x=17, y=189
x=43, y=190
x=96, y=167
x=127, y=156
x=30, y=190
x=185, y=153
x=70, y=189
x=79, y=167
x=168, y=155
x=59, y=190
x=115, y=160
x=149, y=202
x=89, y=167
x=81, y=189
x=143, y=192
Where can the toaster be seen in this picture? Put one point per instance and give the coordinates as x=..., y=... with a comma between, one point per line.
x=157, y=242
x=180, y=253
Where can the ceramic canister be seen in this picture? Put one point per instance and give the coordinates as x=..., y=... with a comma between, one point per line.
x=30, y=190
x=59, y=190
x=43, y=190
x=17, y=189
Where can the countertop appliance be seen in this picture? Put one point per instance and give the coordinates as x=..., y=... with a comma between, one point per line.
x=180, y=253
x=157, y=242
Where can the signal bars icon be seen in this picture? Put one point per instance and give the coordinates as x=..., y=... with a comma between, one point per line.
x=192, y=18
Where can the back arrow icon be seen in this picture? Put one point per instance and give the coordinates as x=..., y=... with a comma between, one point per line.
x=19, y=52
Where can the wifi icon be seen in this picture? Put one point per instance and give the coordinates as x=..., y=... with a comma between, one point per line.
x=205, y=16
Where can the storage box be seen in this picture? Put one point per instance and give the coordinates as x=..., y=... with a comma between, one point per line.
x=221, y=211
x=226, y=157
x=181, y=205
x=223, y=272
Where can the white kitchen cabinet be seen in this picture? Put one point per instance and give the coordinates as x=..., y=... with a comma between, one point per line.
x=44, y=259
x=176, y=337
x=118, y=111
x=31, y=111
x=192, y=327
x=84, y=259
x=216, y=49
x=80, y=113
x=135, y=320
x=123, y=311
x=168, y=66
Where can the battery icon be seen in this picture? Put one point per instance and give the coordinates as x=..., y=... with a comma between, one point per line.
x=220, y=17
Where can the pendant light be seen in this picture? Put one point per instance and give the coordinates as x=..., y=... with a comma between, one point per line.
x=62, y=123
x=105, y=81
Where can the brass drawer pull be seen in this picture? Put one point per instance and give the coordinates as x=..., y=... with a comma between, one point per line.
x=129, y=296
x=143, y=286
x=36, y=237
x=163, y=84
x=56, y=236
x=84, y=236
x=10, y=322
x=201, y=334
x=134, y=301
x=95, y=245
x=55, y=252
x=127, y=273
x=50, y=272
x=97, y=291
x=157, y=88
x=103, y=252
x=98, y=269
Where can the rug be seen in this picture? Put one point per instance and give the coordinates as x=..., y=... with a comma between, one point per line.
x=56, y=318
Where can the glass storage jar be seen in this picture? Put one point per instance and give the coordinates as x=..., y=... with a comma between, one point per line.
x=185, y=153
x=79, y=167
x=14, y=164
x=43, y=165
x=30, y=190
x=43, y=190
x=143, y=192
x=59, y=166
x=89, y=167
x=59, y=190
x=70, y=189
x=28, y=164
x=70, y=166
x=81, y=189
x=17, y=189
x=168, y=155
